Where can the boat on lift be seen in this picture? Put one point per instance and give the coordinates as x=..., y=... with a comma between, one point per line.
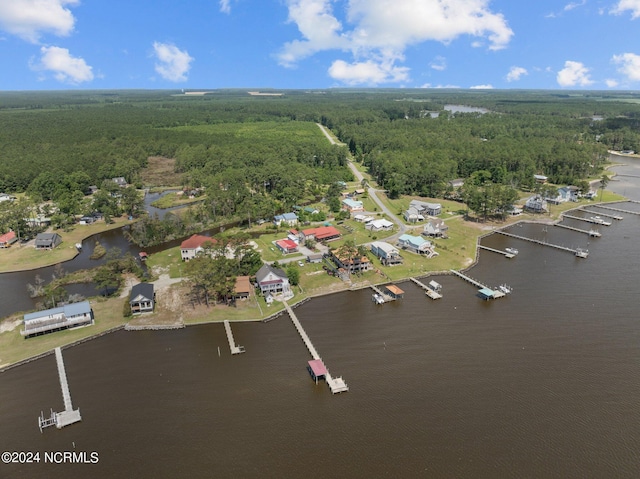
x=513, y=251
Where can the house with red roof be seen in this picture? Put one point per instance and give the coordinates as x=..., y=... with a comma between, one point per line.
x=8, y=239
x=195, y=245
x=323, y=233
x=287, y=246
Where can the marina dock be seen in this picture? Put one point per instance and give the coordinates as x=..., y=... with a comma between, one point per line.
x=506, y=254
x=68, y=416
x=232, y=344
x=485, y=291
x=543, y=243
x=605, y=215
x=432, y=293
x=595, y=220
x=593, y=233
x=337, y=385
x=619, y=210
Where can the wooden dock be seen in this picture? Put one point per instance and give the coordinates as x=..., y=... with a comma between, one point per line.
x=543, y=243
x=337, y=385
x=592, y=233
x=232, y=344
x=606, y=215
x=495, y=294
x=385, y=296
x=506, y=254
x=619, y=210
x=68, y=416
x=428, y=291
x=589, y=220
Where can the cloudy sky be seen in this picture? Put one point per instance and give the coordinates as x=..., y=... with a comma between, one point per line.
x=97, y=44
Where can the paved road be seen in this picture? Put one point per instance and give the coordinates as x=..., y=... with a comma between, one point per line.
x=372, y=192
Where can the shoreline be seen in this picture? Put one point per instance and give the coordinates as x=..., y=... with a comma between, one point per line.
x=302, y=300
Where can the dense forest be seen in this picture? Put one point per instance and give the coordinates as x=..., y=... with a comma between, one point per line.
x=259, y=154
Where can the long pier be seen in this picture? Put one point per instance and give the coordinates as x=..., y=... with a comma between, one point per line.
x=68, y=416
x=337, y=385
x=595, y=221
x=606, y=215
x=232, y=344
x=495, y=293
x=506, y=254
x=543, y=243
x=619, y=210
x=592, y=233
x=429, y=292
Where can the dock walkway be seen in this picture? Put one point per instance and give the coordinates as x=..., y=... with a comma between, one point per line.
x=428, y=291
x=506, y=254
x=596, y=221
x=337, y=385
x=495, y=293
x=593, y=233
x=68, y=416
x=531, y=240
x=232, y=344
x=606, y=215
x=619, y=210
x=385, y=296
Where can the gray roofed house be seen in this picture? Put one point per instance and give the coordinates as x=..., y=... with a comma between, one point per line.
x=48, y=240
x=142, y=298
x=272, y=280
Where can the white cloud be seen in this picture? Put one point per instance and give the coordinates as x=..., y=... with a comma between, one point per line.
x=624, y=5
x=439, y=63
x=379, y=31
x=611, y=83
x=429, y=85
x=65, y=67
x=225, y=6
x=173, y=64
x=573, y=74
x=29, y=19
x=629, y=65
x=515, y=73
x=481, y=87
x=367, y=72
x=570, y=6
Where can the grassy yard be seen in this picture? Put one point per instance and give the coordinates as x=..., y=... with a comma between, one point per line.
x=25, y=257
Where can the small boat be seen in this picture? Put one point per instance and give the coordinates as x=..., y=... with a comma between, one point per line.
x=78, y=246
x=582, y=253
x=505, y=289
x=511, y=250
x=377, y=298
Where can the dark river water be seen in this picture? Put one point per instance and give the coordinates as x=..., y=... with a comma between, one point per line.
x=541, y=384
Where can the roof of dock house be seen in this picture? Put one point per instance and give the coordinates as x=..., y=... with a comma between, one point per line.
x=486, y=292
x=394, y=290
x=318, y=367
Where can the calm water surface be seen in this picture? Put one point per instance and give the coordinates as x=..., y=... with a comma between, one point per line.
x=541, y=384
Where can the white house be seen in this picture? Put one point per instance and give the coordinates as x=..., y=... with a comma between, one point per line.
x=288, y=219
x=536, y=204
x=273, y=280
x=386, y=253
x=416, y=244
x=435, y=228
x=351, y=205
x=379, y=225
x=419, y=210
x=195, y=245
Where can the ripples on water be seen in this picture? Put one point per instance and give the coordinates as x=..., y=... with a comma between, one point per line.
x=542, y=384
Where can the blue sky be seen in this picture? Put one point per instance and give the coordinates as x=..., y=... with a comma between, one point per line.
x=203, y=44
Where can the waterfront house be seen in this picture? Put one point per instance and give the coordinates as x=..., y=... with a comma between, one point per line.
x=419, y=210
x=57, y=319
x=416, y=244
x=286, y=219
x=387, y=254
x=142, y=298
x=287, y=246
x=352, y=263
x=242, y=288
x=48, y=240
x=536, y=204
x=8, y=239
x=435, y=228
x=195, y=245
x=352, y=206
x=379, y=225
x=272, y=280
x=322, y=234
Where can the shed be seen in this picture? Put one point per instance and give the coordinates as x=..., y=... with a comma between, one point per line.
x=48, y=240
x=317, y=369
x=394, y=291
